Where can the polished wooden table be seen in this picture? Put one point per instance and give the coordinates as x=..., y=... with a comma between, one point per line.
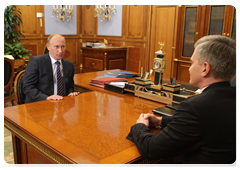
x=90, y=128
x=81, y=82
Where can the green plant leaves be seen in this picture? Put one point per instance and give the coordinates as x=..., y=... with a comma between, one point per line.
x=12, y=20
x=16, y=50
x=12, y=45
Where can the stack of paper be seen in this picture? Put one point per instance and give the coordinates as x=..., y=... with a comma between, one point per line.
x=122, y=74
x=118, y=84
x=100, y=82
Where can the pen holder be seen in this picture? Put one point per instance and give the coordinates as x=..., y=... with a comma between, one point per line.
x=171, y=88
x=142, y=81
x=156, y=88
x=130, y=87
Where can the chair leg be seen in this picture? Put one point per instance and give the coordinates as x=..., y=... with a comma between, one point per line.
x=13, y=102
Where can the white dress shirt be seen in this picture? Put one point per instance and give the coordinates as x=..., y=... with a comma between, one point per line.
x=201, y=90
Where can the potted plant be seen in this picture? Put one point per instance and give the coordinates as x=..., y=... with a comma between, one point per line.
x=16, y=50
x=12, y=45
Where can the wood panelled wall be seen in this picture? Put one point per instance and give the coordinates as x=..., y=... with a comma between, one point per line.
x=143, y=26
x=135, y=33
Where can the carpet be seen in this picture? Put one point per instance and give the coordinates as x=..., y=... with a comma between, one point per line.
x=8, y=148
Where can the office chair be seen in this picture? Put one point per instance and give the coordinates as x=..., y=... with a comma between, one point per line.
x=233, y=82
x=8, y=80
x=18, y=91
x=46, y=50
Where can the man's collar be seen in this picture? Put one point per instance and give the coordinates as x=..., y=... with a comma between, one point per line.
x=201, y=90
x=54, y=60
x=214, y=85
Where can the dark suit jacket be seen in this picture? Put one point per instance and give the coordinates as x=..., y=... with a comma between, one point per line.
x=203, y=129
x=38, y=78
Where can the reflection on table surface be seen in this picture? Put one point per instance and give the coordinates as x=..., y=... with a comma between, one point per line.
x=94, y=125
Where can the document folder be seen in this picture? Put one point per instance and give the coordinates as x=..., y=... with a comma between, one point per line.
x=164, y=111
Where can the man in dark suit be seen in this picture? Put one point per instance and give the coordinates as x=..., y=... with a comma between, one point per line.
x=203, y=128
x=40, y=77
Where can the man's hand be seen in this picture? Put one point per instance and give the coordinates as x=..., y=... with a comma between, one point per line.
x=74, y=94
x=153, y=120
x=150, y=120
x=143, y=120
x=54, y=97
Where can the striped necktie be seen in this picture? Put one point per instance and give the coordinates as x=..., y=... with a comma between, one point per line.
x=60, y=86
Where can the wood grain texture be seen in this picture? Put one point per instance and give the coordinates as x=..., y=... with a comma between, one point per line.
x=92, y=126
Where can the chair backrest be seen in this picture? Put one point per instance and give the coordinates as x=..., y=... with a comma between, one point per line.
x=46, y=50
x=233, y=82
x=18, y=85
x=8, y=73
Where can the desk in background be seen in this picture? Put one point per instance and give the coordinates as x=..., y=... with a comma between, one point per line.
x=104, y=58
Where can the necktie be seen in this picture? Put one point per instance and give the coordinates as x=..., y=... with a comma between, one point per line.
x=60, y=86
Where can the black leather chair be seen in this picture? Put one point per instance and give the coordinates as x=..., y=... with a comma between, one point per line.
x=233, y=82
x=18, y=85
x=8, y=80
x=46, y=50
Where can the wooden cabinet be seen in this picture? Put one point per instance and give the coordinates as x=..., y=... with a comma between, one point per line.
x=191, y=29
x=96, y=59
x=196, y=22
x=233, y=29
x=220, y=20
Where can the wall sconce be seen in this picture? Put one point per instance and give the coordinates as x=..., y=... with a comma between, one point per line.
x=104, y=12
x=63, y=12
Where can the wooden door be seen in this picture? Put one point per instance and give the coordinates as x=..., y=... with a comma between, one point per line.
x=32, y=28
x=135, y=26
x=190, y=30
x=164, y=29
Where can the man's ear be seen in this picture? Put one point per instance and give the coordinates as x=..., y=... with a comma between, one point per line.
x=206, y=69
